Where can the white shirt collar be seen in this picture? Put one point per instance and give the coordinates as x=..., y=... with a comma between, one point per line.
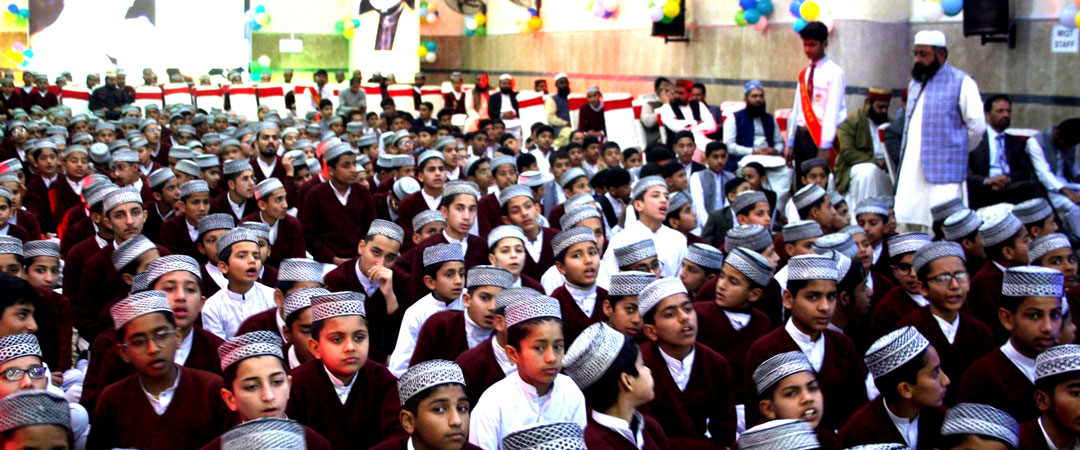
x=340, y=388
x=918, y=299
x=1000, y=267
x=432, y=202
x=618, y=425
x=369, y=286
x=75, y=185
x=267, y=169
x=294, y=362
x=908, y=428
x=1025, y=364
x=948, y=329
x=250, y=293
x=216, y=275
x=101, y=243
x=409, y=444
x=680, y=369
x=237, y=208
x=814, y=350
x=192, y=231
x=463, y=242
x=877, y=252
x=584, y=298
x=738, y=320
x=273, y=229
x=184, y=350
x=165, y=397
x=535, y=247
x=341, y=198
x=474, y=334
x=1050, y=443
x=505, y=364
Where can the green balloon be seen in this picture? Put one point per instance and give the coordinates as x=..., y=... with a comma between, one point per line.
x=740, y=18
x=481, y=30
x=667, y=20
x=339, y=27
x=255, y=66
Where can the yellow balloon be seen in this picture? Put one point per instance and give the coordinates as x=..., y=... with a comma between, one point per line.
x=349, y=25
x=421, y=51
x=671, y=9
x=535, y=23
x=480, y=19
x=810, y=11
x=1078, y=19
x=349, y=33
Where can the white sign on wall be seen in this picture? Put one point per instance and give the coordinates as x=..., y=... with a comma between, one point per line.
x=1065, y=40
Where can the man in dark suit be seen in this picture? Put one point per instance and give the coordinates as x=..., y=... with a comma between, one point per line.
x=506, y=93
x=999, y=169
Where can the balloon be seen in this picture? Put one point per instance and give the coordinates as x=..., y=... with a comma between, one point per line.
x=28, y=53
x=470, y=31
x=762, y=24
x=666, y=20
x=480, y=19
x=18, y=58
x=799, y=24
x=339, y=27
x=432, y=6
x=747, y=5
x=262, y=19
x=952, y=7
x=752, y=16
x=13, y=8
x=431, y=46
x=1077, y=3
x=656, y=13
x=260, y=9
x=422, y=11
x=24, y=13
x=481, y=30
x=930, y=11
x=671, y=9
x=421, y=51
x=740, y=18
x=264, y=61
x=1068, y=16
x=470, y=23
x=1077, y=21
x=535, y=23
x=432, y=17
x=765, y=7
x=256, y=26
x=18, y=46
x=430, y=58
x=809, y=11
x=794, y=7
x=349, y=33
x=349, y=25
x=356, y=23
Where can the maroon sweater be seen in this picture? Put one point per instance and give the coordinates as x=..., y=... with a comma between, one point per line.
x=35, y=184
x=973, y=340
x=75, y=262
x=76, y=227
x=410, y=206
x=402, y=443
x=369, y=415
x=62, y=198
x=599, y=437
x=994, y=380
x=488, y=214
x=312, y=439
x=220, y=205
x=888, y=312
x=573, y=318
x=124, y=418
x=707, y=403
x=100, y=285
x=382, y=328
x=871, y=425
x=985, y=297
x=536, y=269
x=290, y=239
x=1031, y=437
x=107, y=367
x=332, y=229
x=441, y=337
x=842, y=375
x=264, y=321
x=480, y=368
x=715, y=331
x=174, y=236
x=29, y=222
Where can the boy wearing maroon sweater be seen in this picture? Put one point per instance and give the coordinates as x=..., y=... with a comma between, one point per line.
x=447, y=334
x=578, y=260
x=180, y=233
x=692, y=382
x=788, y=389
x=518, y=207
x=1057, y=379
x=347, y=398
x=487, y=363
x=163, y=405
x=1006, y=242
x=337, y=211
x=621, y=306
x=906, y=296
x=435, y=409
x=286, y=233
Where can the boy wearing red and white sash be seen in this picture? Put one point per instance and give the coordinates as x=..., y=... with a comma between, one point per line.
x=819, y=100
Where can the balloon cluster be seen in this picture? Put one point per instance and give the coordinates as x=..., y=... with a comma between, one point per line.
x=16, y=16
x=476, y=25
x=1070, y=15
x=604, y=9
x=427, y=11
x=346, y=27
x=19, y=54
x=806, y=11
x=532, y=24
x=665, y=11
x=932, y=10
x=257, y=67
x=258, y=17
x=426, y=51
x=754, y=13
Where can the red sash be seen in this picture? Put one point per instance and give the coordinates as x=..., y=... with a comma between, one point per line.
x=813, y=124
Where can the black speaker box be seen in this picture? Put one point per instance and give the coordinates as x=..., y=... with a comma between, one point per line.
x=986, y=17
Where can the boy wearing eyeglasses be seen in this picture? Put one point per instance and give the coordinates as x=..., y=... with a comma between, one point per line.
x=21, y=369
x=905, y=297
x=163, y=405
x=958, y=337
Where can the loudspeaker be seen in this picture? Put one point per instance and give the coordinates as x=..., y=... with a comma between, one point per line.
x=677, y=26
x=986, y=17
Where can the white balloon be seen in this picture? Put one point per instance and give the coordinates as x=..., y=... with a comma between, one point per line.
x=432, y=18
x=430, y=58
x=656, y=13
x=1068, y=15
x=264, y=60
x=931, y=11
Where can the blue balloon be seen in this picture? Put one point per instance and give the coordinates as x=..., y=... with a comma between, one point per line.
x=747, y=5
x=752, y=16
x=260, y=9
x=799, y=24
x=423, y=12
x=255, y=26
x=13, y=8
x=430, y=45
x=794, y=8
x=765, y=7
x=469, y=32
x=952, y=7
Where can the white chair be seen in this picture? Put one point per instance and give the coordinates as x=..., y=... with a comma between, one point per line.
x=433, y=95
x=77, y=98
x=242, y=100
x=619, y=122
x=272, y=95
x=209, y=98
x=373, y=97
x=304, y=95
x=148, y=95
x=531, y=110
x=176, y=94
x=781, y=116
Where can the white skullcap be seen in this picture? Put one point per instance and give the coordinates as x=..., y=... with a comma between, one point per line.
x=933, y=38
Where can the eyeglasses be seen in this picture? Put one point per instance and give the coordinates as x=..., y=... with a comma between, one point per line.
x=36, y=373
x=903, y=268
x=159, y=338
x=946, y=279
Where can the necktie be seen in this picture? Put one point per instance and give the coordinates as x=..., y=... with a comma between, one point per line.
x=810, y=81
x=1001, y=159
